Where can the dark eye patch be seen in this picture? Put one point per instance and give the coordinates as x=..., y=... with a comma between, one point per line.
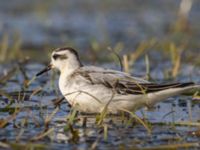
x=56, y=56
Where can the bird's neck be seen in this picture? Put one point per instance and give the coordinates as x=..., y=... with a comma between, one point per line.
x=69, y=69
x=65, y=75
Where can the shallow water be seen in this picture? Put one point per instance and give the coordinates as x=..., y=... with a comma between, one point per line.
x=92, y=26
x=164, y=117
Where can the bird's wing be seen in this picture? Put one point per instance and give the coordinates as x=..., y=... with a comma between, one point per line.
x=122, y=82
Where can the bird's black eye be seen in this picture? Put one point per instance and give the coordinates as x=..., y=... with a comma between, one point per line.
x=57, y=56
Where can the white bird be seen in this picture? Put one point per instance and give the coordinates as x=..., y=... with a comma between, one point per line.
x=91, y=89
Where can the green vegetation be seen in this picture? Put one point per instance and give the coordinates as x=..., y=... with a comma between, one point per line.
x=32, y=113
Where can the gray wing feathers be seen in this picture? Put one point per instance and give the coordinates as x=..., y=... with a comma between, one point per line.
x=123, y=83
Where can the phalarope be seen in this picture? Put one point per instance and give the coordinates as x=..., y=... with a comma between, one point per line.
x=91, y=88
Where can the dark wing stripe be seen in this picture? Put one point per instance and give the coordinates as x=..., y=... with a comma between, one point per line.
x=148, y=88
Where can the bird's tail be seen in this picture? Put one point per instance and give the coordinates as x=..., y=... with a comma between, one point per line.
x=182, y=88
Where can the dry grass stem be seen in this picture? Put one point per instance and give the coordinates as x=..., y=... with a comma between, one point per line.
x=138, y=119
x=5, y=121
x=42, y=135
x=126, y=64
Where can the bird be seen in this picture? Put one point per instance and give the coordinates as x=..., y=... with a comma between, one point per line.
x=93, y=89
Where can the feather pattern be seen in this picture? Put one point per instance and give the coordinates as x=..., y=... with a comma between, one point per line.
x=121, y=82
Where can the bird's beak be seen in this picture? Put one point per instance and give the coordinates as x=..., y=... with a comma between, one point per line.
x=49, y=67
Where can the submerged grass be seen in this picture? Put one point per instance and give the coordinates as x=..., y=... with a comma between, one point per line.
x=173, y=146
x=5, y=121
x=27, y=146
x=172, y=50
x=138, y=119
x=72, y=128
x=42, y=135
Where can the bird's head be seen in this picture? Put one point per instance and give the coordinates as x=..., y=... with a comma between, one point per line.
x=63, y=59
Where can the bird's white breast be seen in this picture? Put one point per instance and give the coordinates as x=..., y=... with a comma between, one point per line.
x=87, y=97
